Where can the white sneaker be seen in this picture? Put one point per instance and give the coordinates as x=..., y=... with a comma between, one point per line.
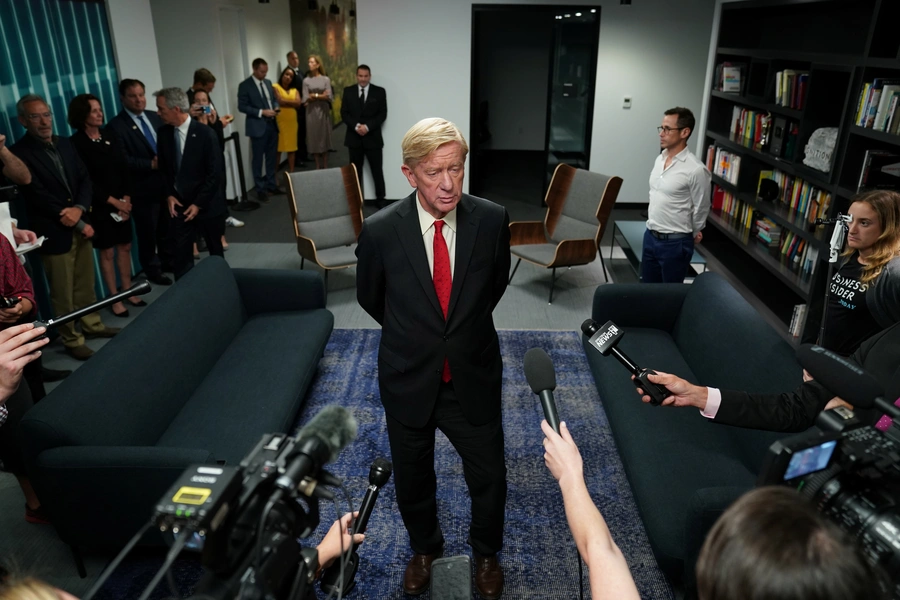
x=232, y=222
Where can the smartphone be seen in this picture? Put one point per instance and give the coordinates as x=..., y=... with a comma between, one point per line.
x=116, y=217
x=451, y=578
x=206, y=109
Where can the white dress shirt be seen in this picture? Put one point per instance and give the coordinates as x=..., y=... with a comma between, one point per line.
x=679, y=195
x=140, y=118
x=181, y=134
x=426, y=224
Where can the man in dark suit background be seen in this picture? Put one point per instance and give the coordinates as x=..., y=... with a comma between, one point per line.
x=194, y=170
x=363, y=110
x=299, y=73
x=137, y=128
x=57, y=202
x=257, y=100
x=431, y=269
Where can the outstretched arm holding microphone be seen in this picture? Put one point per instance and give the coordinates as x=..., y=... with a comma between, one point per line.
x=608, y=571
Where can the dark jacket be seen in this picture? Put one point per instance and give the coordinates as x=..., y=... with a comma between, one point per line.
x=147, y=183
x=372, y=115
x=201, y=178
x=48, y=194
x=395, y=286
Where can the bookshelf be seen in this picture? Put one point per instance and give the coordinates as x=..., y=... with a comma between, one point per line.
x=806, y=64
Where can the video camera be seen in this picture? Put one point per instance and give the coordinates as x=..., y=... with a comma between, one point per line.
x=246, y=520
x=849, y=470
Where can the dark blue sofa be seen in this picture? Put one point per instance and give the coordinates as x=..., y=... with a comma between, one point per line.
x=218, y=360
x=683, y=469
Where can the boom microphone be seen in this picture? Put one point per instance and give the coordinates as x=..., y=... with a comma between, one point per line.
x=318, y=442
x=542, y=379
x=605, y=339
x=379, y=473
x=845, y=379
x=137, y=289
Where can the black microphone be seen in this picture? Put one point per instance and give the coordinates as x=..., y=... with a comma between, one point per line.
x=605, y=339
x=135, y=290
x=318, y=442
x=379, y=473
x=845, y=379
x=542, y=379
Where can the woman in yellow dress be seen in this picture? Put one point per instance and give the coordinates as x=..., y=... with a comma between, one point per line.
x=289, y=101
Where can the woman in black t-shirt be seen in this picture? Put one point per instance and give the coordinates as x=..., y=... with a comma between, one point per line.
x=864, y=294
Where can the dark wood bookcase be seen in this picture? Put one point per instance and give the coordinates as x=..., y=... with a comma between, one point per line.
x=841, y=44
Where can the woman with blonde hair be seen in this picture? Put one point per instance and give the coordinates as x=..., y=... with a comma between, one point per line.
x=864, y=293
x=317, y=96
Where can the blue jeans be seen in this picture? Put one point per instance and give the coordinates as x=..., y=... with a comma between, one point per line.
x=665, y=261
x=265, y=148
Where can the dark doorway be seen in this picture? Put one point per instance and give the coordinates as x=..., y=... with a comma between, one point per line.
x=533, y=75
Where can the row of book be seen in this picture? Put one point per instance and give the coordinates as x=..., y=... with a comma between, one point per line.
x=747, y=127
x=798, y=195
x=726, y=165
x=729, y=77
x=768, y=232
x=880, y=170
x=726, y=203
x=877, y=107
x=798, y=253
x=790, y=88
x=798, y=321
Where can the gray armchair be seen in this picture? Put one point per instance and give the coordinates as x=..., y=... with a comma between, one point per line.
x=326, y=210
x=579, y=203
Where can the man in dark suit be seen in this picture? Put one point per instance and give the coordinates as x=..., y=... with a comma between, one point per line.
x=363, y=110
x=431, y=269
x=790, y=411
x=257, y=100
x=299, y=73
x=137, y=128
x=57, y=202
x=194, y=169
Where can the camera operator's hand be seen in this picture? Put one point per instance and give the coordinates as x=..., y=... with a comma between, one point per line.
x=683, y=393
x=338, y=539
x=14, y=313
x=18, y=347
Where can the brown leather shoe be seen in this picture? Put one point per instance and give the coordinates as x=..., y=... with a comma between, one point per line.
x=488, y=577
x=418, y=573
x=81, y=352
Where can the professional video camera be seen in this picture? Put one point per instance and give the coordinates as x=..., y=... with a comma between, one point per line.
x=849, y=470
x=246, y=520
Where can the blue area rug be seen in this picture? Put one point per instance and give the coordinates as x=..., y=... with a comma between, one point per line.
x=539, y=557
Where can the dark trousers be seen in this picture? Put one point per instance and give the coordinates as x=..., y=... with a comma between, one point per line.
x=185, y=233
x=265, y=148
x=152, y=225
x=10, y=441
x=358, y=156
x=665, y=261
x=484, y=466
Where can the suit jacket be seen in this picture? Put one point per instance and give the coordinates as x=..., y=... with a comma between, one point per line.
x=395, y=286
x=201, y=178
x=797, y=411
x=147, y=184
x=251, y=101
x=47, y=193
x=373, y=114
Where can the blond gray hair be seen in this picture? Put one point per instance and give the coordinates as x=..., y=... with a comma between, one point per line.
x=428, y=135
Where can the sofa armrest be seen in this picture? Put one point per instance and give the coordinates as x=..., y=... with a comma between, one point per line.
x=654, y=306
x=704, y=509
x=99, y=496
x=274, y=290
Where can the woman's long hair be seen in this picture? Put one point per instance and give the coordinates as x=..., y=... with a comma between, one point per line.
x=320, y=69
x=886, y=204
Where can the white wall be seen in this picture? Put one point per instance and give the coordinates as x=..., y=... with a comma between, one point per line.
x=188, y=37
x=134, y=41
x=654, y=51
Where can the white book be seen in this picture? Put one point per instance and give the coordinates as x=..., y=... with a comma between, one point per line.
x=884, y=104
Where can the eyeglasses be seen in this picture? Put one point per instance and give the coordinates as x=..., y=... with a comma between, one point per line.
x=38, y=116
x=668, y=130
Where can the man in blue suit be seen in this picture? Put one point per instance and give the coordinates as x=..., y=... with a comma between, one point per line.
x=257, y=100
x=137, y=128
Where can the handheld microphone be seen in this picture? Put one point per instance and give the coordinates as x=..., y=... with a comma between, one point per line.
x=605, y=339
x=838, y=219
x=845, y=379
x=318, y=442
x=137, y=289
x=379, y=473
x=542, y=379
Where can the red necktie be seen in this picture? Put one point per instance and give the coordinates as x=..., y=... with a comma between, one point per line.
x=443, y=281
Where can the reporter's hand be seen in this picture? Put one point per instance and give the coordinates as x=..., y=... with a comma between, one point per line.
x=190, y=212
x=173, y=202
x=682, y=392
x=87, y=232
x=124, y=215
x=18, y=347
x=268, y=112
x=23, y=236
x=561, y=455
x=15, y=313
x=125, y=205
x=338, y=540
x=195, y=110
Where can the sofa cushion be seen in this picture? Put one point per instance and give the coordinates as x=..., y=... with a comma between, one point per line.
x=249, y=377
